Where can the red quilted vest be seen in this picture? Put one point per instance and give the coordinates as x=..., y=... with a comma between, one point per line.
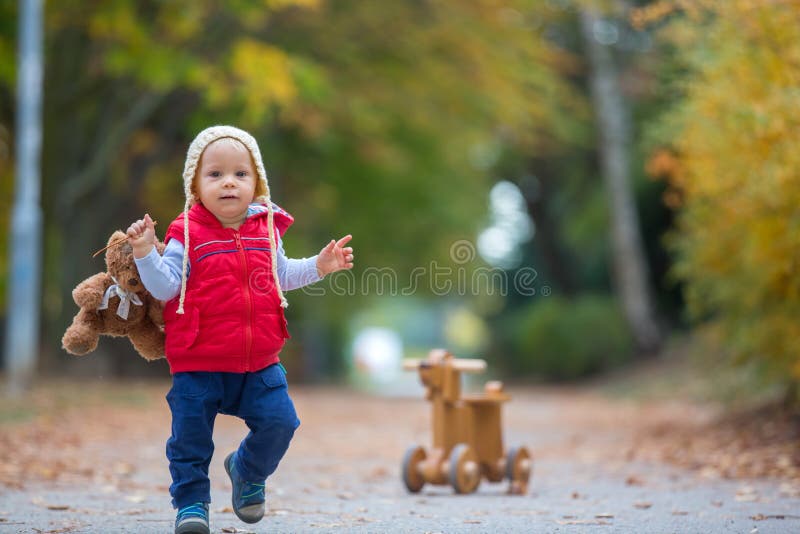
x=232, y=320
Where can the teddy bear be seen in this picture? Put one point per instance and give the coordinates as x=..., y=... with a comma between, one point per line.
x=115, y=303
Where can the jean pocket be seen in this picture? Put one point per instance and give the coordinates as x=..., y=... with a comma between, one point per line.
x=273, y=376
x=190, y=384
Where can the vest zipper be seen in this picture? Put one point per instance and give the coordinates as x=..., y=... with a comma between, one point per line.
x=248, y=329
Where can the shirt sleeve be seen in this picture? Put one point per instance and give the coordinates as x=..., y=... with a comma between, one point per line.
x=295, y=273
x=161, y=274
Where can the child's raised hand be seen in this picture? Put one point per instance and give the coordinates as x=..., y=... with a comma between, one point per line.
x=335, y=256
x=142, y=236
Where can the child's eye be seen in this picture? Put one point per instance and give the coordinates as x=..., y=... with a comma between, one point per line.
x=214, y=174
x=241, y=173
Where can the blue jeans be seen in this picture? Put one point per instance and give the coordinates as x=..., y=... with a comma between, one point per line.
x=260, y=398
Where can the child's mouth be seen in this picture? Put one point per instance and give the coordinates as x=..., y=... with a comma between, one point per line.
x=229, y=197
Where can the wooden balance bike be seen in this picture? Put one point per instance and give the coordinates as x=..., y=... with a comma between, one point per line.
x=467, y=435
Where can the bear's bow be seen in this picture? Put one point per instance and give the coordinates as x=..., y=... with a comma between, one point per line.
x=125, y=299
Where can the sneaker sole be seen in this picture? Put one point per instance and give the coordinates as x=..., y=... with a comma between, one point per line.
x=193, y=527
x=258, y=509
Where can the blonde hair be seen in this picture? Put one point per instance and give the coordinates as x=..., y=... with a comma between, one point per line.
x=193, y=155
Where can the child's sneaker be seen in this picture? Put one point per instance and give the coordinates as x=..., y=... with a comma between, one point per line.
x=247, y=497
x=192, y=519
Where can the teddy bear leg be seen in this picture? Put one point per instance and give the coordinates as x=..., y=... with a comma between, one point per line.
x=148, y=340
x=82, y=335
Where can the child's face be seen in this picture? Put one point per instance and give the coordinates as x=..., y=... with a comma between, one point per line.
x=226, y=181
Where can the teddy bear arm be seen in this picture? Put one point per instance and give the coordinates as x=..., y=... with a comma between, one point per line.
x=82, y=335
x=89, y=293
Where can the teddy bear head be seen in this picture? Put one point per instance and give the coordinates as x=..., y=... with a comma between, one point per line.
x=120, y=264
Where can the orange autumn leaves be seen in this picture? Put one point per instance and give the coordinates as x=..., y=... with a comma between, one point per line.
x=733, y=166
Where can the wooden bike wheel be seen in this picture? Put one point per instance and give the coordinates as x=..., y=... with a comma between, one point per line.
x=409, y=470
x=519, y=465
x=465, y=472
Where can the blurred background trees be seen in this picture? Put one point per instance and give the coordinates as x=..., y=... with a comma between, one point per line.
x=548, y=145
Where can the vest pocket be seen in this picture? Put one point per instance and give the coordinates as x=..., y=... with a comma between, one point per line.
x=194, y=326
x=270, y=330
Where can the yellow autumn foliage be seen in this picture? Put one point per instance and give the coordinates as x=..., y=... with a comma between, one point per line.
x=736, y=139
x=264, y=76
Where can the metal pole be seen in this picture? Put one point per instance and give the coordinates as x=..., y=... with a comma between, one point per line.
x=22, y=338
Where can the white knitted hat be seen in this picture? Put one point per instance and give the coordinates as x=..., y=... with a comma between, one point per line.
x=203, y=139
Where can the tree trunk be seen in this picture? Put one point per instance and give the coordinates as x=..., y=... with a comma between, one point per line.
x=631, y=276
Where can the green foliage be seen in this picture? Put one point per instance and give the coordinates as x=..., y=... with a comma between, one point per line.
x=415, y=91
x=370, y=116
x=8, y=45
x=8, y=33
x=563, y=339
x=734, y=169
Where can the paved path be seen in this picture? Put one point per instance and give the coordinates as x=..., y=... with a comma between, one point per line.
x=106, y=472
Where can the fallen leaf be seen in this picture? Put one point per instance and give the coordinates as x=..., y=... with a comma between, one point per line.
x=378, y=473
x=747, y=494
x=583, y=522
x=123, y=468
x=604, y=515
x=642, y=505
x=709, y=471
x=762, y=517
x=39, y=501
x=633, y=480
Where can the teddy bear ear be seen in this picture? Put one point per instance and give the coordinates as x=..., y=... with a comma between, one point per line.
x=117, y=236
